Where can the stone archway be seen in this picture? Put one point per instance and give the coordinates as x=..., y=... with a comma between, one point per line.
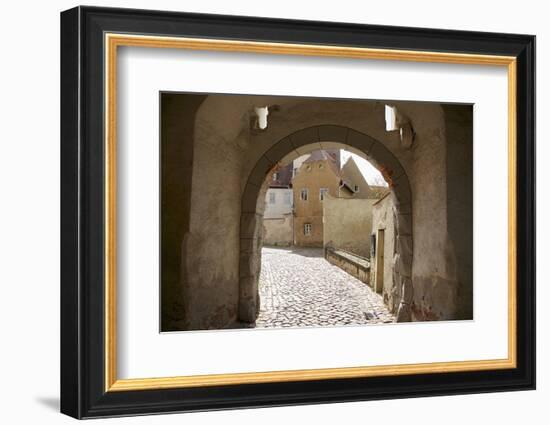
x=292, y=146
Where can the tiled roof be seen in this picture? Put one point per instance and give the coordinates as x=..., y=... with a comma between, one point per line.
x=284, y=176
x=331, y=156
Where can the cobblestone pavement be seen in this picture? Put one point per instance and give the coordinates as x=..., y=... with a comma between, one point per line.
x=298, y=287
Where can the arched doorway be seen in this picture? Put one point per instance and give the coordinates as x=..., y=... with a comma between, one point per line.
x=293, y=146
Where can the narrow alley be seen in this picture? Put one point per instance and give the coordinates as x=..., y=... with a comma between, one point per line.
x=298, y=287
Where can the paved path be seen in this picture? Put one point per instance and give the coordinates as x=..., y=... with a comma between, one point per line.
x=298, y=287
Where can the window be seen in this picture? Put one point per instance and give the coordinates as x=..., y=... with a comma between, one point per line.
x=320, y=166
x=271, y=197
x=288, y=198
x=307, y=229
x=303, y=194
x=391, y=118
x=322, y=193
x=261, y=117
x=275, y=176
x=294, y=172
x=356, y=188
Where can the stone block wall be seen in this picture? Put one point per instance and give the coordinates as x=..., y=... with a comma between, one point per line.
x=355, y=266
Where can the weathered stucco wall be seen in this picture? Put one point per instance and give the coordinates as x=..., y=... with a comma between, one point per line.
x=383, y=219
x=177, y=146
x=460, y=205
x=441, y=182
x=211, y=248
x=347, y=224
x=282, y=204
x=278, y=231
x=312, y=240
x=217, y=241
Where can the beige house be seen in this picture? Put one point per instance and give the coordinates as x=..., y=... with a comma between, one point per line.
x=348, y=222
x=362, y=190
x=307, y=197
x=317, y=180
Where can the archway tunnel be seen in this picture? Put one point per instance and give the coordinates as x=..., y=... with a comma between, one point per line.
x=290, y=148
x=216, y=155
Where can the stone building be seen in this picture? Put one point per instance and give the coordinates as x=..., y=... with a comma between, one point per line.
x=294, y=213
x=347, y=222
x=354, y=178
x=318, y=177
x=211, y=238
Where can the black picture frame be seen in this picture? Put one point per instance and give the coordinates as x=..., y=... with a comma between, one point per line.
x=83, y=392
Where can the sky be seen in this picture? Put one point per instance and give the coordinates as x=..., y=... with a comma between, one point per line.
x=371, y=174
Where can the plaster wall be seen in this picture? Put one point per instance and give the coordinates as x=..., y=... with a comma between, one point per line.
x=280, y=207
x=383, y=219
x=347, y=224
x=177, y=149
x=441, y=182
x=460, y=207
x=278, y=231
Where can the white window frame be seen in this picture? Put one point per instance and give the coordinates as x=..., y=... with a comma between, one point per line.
x=275, y=176
x=307, y=229
x=322, y=192
x=305, y=192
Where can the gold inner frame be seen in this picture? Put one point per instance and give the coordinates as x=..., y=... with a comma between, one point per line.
x=113, y=41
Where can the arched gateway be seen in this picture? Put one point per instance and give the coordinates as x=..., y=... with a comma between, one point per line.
x=288, y=149
x=214, y=162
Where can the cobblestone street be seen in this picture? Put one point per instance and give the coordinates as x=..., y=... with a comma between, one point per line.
x=298, y=287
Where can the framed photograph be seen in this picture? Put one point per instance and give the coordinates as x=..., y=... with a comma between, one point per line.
x=261, y=212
